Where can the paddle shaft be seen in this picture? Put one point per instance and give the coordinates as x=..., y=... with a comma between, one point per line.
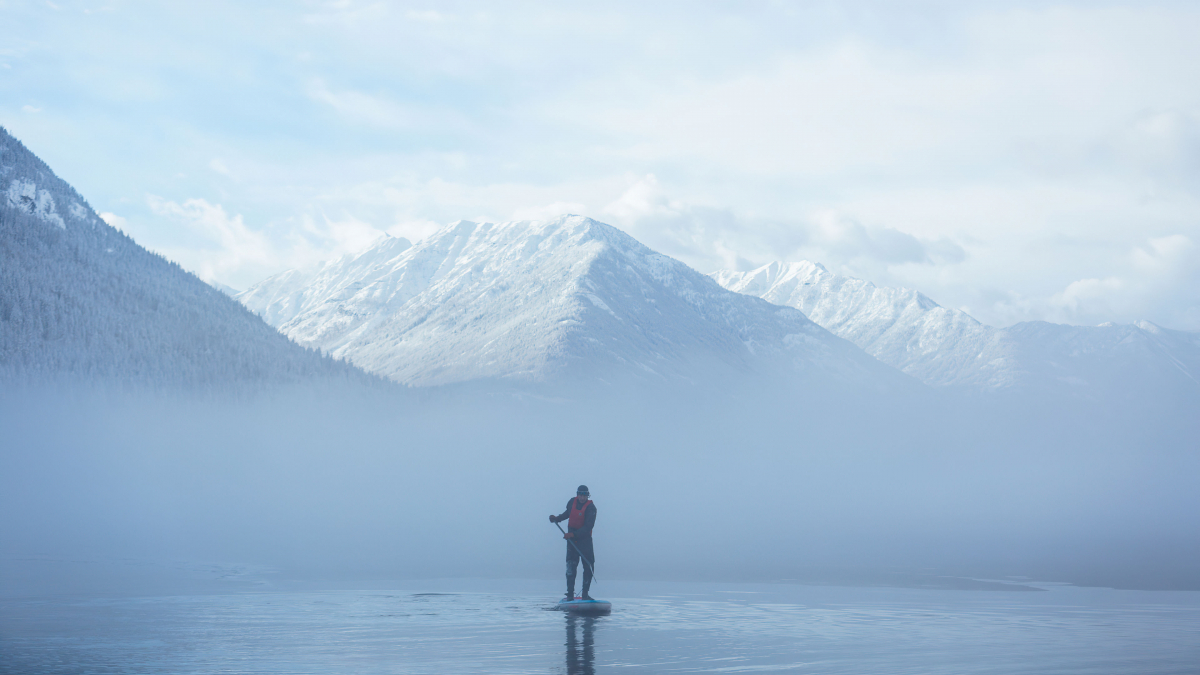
x=582, y=557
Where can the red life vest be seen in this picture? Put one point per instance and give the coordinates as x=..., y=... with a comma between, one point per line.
x=577, y=514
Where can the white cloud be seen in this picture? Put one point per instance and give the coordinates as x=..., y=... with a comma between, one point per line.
x=225, y=249
x=846, y=239
x=1158, y=280
x=1089, y=296
x=328, y=238
x=114, y=220
x=1165, y=255
x=30, y=109
x=697, y=235
x=1011, y=159
x=709, y=238
x=229, y=246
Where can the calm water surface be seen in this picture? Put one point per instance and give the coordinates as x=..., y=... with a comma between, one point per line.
x=505, y=627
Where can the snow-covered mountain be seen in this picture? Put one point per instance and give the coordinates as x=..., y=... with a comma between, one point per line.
x=942, y=346
x=81, y=300
x=543, y=301
x=898, y=326
x=1125, y=360
x=289, y=294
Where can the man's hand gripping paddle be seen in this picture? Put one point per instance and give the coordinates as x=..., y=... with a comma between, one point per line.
x=581, y=555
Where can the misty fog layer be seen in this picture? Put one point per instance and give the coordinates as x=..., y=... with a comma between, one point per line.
x=751, y=482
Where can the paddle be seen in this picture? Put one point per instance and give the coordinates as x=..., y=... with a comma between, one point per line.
x=582, y=557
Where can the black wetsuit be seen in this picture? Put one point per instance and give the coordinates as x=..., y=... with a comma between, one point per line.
x=583, y=540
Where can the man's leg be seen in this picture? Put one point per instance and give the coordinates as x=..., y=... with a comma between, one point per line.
x=572, y=564
x=589, y=557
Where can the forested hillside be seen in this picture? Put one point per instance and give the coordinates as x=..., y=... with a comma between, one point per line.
x=81, y=300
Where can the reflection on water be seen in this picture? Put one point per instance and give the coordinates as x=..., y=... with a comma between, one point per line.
x=498, y=627
x=581, y=656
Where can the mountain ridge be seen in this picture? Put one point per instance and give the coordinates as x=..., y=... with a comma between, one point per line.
x=948, y=347
x=539, y=300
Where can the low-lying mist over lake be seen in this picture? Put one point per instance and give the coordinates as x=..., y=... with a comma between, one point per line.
x=855, y=338
x=756, y=484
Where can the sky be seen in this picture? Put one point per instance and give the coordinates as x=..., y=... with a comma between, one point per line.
x=1020, y=160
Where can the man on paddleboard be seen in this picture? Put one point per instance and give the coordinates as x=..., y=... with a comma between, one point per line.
x=581, y=518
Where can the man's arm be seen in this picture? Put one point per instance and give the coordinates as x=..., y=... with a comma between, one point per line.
x=564, y=515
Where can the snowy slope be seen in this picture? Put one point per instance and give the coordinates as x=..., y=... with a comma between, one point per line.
x=286, y=295
x=942, y=346
x=900, y=327
x=80, y=300
x=542, y=301
x=1133, y=360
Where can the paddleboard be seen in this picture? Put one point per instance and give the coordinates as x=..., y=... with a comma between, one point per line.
x=584, y=606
